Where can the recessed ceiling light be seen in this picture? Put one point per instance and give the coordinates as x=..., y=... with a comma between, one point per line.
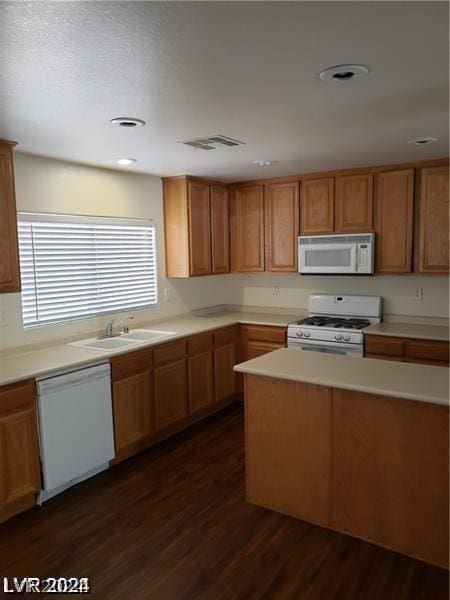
x=126, y=162
x=343, y=73
x=128, y=122
x=423, y=141
x=263, y=163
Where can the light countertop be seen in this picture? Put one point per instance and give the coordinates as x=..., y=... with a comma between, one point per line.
x=19, y=365
x=410, y=330
x=422, y=383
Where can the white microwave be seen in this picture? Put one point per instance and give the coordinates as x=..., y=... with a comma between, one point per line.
x=345, y=254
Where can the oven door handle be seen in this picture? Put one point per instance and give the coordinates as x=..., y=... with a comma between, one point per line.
x=324, y=350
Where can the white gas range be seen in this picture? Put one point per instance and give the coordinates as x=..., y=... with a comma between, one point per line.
x=335, y=324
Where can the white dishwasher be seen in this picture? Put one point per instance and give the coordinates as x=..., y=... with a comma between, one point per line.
x=75, y=426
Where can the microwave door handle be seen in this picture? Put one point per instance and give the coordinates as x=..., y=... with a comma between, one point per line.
x=354, y=257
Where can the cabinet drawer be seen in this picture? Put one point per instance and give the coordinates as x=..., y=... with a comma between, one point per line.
x=427, y=350
x=17, y=397
x=169, y=352
x=255, y=349
x=130, y=364
x=377, y=344
x=224, y=336
x=261, y=333
x=384, y=357
x=200, y=343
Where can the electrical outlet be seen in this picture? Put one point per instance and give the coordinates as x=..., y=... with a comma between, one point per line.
x=418, y=294
x=276, y=288
x=167, y=295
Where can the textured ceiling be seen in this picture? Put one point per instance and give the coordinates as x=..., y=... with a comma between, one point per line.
x=247, y=70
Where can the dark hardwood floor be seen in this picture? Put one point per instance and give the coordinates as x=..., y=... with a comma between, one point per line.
x=172, y=523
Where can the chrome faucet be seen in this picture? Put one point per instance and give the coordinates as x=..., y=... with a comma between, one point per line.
x=109, y=331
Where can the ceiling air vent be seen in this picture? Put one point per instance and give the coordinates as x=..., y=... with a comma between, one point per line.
x=212, y=143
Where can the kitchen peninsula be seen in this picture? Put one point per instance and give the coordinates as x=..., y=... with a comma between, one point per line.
x=356, y=445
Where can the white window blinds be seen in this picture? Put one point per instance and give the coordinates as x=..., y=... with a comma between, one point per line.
x=73, y=267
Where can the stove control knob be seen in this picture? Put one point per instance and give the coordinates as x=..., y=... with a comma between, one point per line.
x=338, y=337
x=346, y=338
x=299, y=333
x=307, y=334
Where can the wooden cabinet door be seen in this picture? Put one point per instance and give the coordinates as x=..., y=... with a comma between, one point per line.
x=9, y=256
x=287, y=454
x=224, y=376
x=354, y=203
x=171, y=399
x=434, y=220
x=220, y=230
x=19, y=449
x=317, y=206
x=132, y=402
x=255, y=349
x=393, y=216
x=200, y=377
x=390, y=473
x=199, y=228
x=282, y=226
x=247, y=229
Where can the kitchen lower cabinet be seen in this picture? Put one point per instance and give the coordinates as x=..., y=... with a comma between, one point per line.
x=257, y=340
x=19, y=449
x=171, y=393
x=407, y=350
x=132, y=394
x=200, y=372
x=225, y=351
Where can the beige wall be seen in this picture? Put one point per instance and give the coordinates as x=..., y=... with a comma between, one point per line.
x=48, y=185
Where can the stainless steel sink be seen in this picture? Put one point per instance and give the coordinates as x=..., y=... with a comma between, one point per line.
x=147, y=335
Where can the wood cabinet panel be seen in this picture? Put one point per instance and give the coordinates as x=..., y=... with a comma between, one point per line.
x=265, y=333
x=176, y=228
x=433, y=222
x=354, y=203
x=379, y=344
x=393, y=219
x=171, y=398
x=255, y=349
x=19, y=449
x=428, y=350
x=201, y=383
x=200, y=343
x=390, y=473
x=169, y=352
x=281, y=226
x=225, y=335
x=288, y=437
x=9, y=255
x=132, y=403
x=247, y=229
x=220, y=230
x=224, y=376
x=317, y=206
x=130, y=364
x=199, y=228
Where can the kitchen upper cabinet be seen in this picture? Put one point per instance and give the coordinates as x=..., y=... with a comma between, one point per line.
x=220, y=230
x=200, y=372
x=9, y=255
x=187, y=227
x=225, y=341
x=199, y=228
x=393, y=220
x=433, y=220
x=171, y=384
x=19, y=449
x=247, y=229
x=281, y=226
x=132, y=396
x=354, y=203
x=317, y=206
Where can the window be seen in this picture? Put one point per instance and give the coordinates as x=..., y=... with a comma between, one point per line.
x=74, y=267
